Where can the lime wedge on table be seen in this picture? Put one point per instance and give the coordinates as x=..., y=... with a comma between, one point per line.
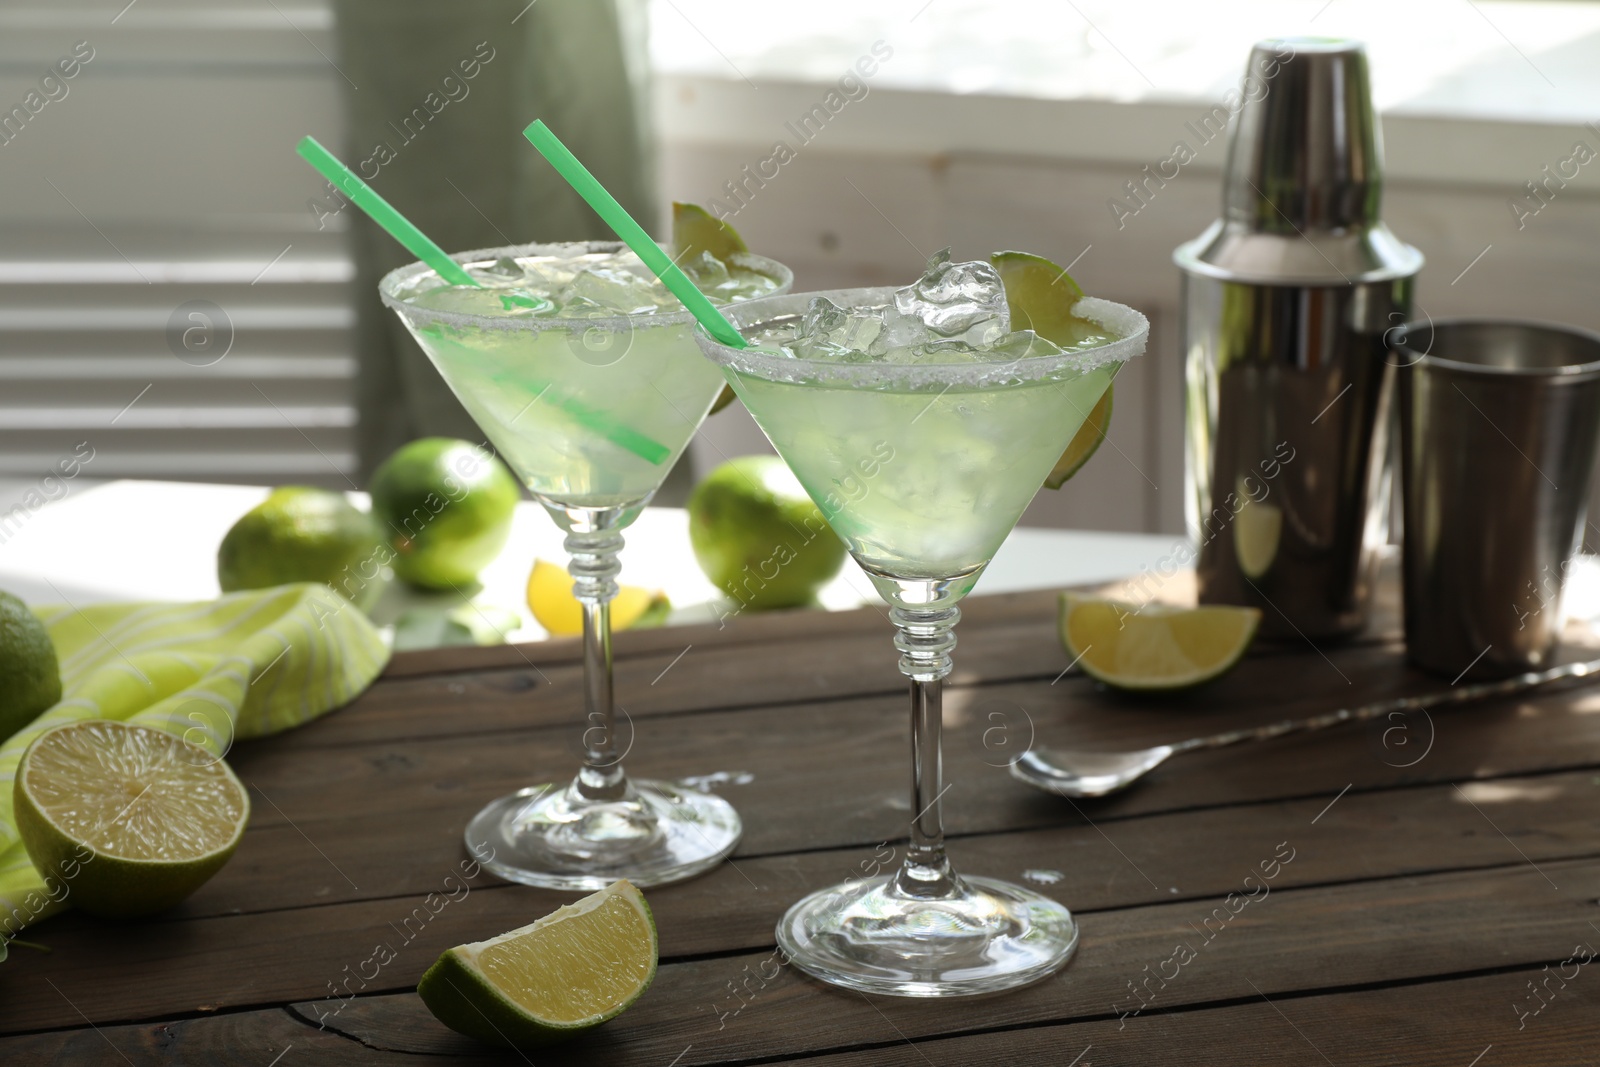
x=572, y=970
x=696, y=230
x=132, y=819
x=1040, y=297
x=1153, y=647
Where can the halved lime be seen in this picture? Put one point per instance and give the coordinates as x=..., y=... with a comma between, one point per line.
x=1153, y=647
x=130, y=818
x=572, y=970
x=1040, y=297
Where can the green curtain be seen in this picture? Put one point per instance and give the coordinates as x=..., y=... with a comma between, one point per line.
x=436, y=96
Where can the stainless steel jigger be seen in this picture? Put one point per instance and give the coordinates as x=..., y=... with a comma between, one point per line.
x=1499, y=424
x=1285, y=303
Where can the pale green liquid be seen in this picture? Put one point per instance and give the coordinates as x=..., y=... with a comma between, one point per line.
x=922, y=484
x=580, y=434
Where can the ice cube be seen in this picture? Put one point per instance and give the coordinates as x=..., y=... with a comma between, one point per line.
x=957, y=300
x=1023, y=344
x=502, y=273
x=706, y=271
x=828, y=331
x=903, y=331
x=520, y=301
x=610, y=289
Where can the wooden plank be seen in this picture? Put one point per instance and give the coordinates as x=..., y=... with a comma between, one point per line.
x=1364, y=835
x=490, y=701
x=1414, y=926
x=1460, y=1023
x=1448, y=1023
x=269, y=1036
x=688, y=676
x=1431, y=1024
x=751, y=1007
x=832, y=774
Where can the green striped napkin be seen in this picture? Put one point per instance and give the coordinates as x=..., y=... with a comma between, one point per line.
x=247, y=665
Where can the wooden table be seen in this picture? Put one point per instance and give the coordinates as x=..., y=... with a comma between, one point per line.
x=1427, y=890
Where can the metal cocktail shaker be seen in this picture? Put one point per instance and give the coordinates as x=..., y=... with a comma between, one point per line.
x=1286, y=300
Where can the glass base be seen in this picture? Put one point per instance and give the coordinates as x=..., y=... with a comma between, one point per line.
x=871, y=936
x=556, y=838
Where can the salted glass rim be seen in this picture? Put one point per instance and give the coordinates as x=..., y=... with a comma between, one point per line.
x=391, y=282
x=1131, y=328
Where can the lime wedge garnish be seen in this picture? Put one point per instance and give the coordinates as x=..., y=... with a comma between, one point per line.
x=1084, y=443
x=1153, y=647
x=572, y=970
x=696, y=230
x=1040, y=297
x=142, y=816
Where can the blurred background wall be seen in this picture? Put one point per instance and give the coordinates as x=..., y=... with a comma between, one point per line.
x=159, y=182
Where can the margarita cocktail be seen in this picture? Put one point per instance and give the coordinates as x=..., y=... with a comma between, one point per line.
x=922, y=424
x=580, y=369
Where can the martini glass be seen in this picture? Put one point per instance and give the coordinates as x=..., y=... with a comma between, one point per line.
x=591, y=413
x=922, y=469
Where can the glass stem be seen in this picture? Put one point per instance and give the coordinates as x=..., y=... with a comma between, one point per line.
x=594, y=571
x=925, y=641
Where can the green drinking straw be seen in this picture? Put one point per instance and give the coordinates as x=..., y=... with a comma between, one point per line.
x=422, y=246
x=632, y=234
x=382, y=212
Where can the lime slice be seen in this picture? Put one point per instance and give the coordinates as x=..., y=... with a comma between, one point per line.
x=558, y=611
x=572, y=970
x=132, y=819
x=1040, y=297
x=1154, y=647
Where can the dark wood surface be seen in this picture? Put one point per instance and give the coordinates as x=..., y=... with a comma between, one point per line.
x=1439, y=874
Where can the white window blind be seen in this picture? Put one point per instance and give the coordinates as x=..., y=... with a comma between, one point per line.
x=164, y=294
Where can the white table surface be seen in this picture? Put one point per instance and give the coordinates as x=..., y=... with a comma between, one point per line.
x=139, y=540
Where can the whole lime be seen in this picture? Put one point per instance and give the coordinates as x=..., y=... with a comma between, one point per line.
x=446, y=507
x=758, y=537
x=30, y=677
x=301, y=534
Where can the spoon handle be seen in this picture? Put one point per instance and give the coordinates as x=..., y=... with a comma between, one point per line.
x=1455, y=695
